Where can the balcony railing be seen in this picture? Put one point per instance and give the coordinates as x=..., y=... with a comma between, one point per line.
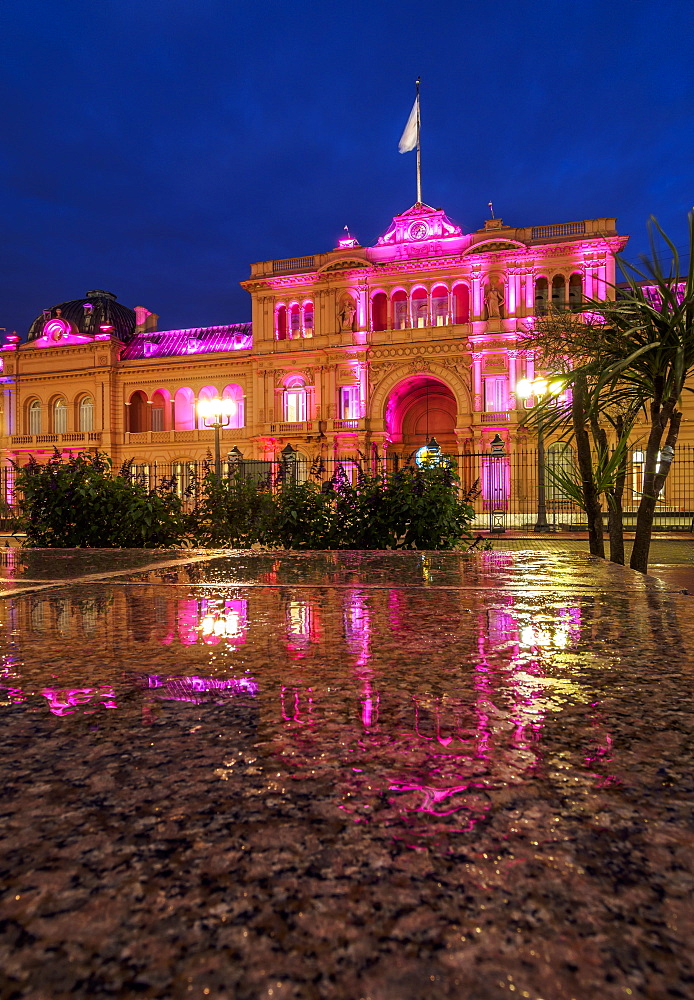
x=499, y=417
x=292, y=427
x=80, y=437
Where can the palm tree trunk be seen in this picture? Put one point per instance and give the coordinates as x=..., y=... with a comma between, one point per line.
x=616, y=515
x=591, y=498
x=653, y=482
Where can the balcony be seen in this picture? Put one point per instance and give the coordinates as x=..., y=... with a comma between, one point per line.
x=348, y=425
x=294, y=427
x=87, y=438
x=499, y=417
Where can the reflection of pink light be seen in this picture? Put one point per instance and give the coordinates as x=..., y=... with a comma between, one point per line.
x=357, y=628
x=65, y=702
x=290, y=700
x=15, y=695
x=175, y=688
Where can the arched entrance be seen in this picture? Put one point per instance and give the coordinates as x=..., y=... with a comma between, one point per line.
x=419, y=408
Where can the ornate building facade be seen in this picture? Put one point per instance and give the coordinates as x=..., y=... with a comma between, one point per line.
x=359, y=350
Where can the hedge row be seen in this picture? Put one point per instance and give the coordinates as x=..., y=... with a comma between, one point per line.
x=84, y=503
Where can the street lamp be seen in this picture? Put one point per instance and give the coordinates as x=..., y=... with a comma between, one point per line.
x=216, y=413
x=539, y=388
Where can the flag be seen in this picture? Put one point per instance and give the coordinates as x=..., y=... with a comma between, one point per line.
x=408, y=139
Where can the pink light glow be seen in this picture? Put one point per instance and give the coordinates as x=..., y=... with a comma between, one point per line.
x=63, y=701
x=194, y=689
x=58, y=331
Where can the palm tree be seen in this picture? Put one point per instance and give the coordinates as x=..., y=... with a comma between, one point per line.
x=623, y=357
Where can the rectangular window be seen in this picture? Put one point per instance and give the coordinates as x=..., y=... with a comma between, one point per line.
x=294, y=405
x=35, y=420
x=420, y=311
x=400, y=315
x=157, y=418
x=350, y=408
x=439, y=308
x=495, y=395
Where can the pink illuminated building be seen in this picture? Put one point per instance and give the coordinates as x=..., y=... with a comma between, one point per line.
x=356, y=350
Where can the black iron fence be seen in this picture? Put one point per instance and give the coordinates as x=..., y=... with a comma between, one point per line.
x=506, y=494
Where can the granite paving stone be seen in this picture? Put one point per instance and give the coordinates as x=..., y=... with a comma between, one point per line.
x=391, y=776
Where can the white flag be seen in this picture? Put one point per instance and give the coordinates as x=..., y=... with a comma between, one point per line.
x=408, y=139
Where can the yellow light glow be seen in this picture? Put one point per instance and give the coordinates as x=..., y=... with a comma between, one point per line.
x=556, y=387
x=207, y=625
x=205, y=408
x=524, y=388
x=539, y=387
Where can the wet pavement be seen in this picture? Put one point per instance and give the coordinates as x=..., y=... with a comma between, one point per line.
x=344, y=775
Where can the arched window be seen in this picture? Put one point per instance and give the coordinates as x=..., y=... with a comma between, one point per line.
x=184, y=409
x=86, y=414
x=138, y=417
x=207, y=392
x=541, y=295
x=558, y=292
x=420, y=307
x=439, y=306
x=35, y=417
x=60, y=416
x=235, y=392
x=161, y=411
x=379, y=311
x=308, y=319
x=575, y=291
x=294, y=321
x=461, y=304
x=294, y=403
x=281, y=323
x=400, y=318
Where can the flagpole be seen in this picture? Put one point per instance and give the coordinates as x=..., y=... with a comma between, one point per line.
x=419, y=154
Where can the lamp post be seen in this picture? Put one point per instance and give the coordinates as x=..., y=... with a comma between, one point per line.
x=539, y=388
x=216, y=413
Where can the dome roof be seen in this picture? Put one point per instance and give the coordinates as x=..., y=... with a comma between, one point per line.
x=97, y=312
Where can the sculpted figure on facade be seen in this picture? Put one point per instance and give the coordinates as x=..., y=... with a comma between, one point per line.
x=346, y=313
x=495, y=299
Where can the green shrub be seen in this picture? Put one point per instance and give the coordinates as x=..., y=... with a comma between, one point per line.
x=413, y=509
x=234, y=512
x=81, y=503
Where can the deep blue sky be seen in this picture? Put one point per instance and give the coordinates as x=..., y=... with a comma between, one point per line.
x=156, y=147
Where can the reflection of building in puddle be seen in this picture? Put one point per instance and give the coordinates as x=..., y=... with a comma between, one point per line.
x=198, y=689
x=302, y=626
x=357, y=629
x=63, y=701
x=209, y=620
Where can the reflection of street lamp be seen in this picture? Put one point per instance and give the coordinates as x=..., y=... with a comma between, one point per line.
x=216, y=413
x=538, y=388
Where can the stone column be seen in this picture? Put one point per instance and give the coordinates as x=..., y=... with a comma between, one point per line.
x=512, y=378
x=477, y=382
